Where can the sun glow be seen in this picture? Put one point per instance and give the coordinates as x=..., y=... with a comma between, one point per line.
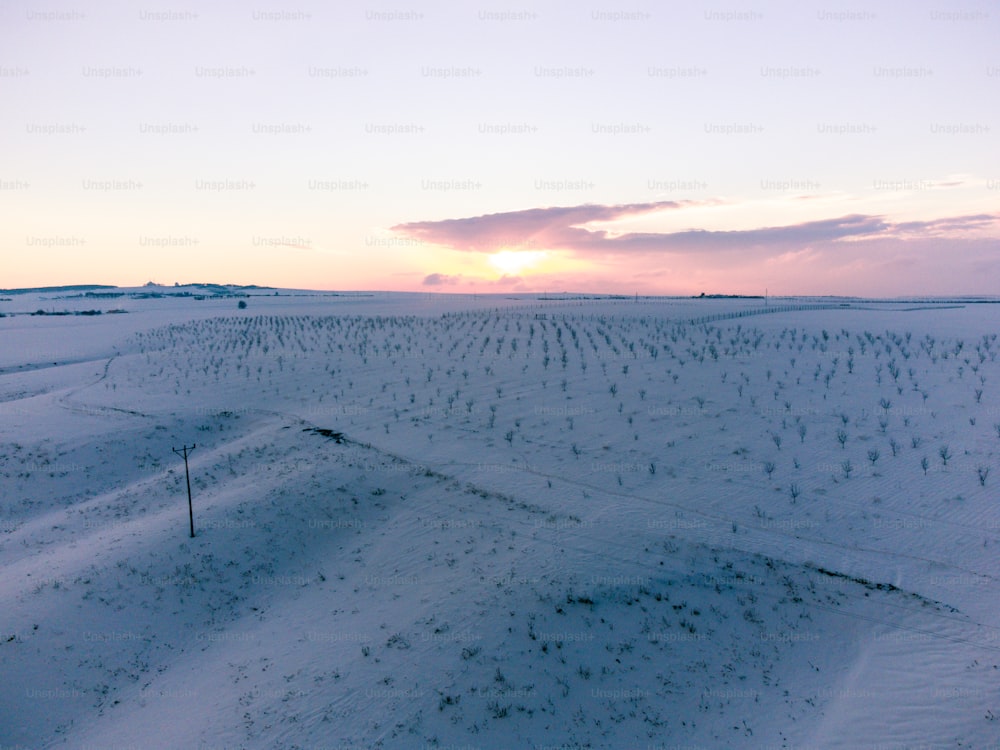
x=513, y=262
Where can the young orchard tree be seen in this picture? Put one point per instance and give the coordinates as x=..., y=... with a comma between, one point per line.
x=945, y=453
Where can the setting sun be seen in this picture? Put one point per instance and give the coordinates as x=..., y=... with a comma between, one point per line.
x=513, y=262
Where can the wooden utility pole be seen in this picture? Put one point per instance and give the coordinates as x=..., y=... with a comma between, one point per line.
x=184, y=452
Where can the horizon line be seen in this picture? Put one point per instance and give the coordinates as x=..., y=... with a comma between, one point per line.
x=968, y=297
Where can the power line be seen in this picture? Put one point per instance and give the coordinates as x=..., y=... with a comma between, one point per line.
x=184, y=452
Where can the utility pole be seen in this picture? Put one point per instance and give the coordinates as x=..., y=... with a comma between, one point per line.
x=184, y=452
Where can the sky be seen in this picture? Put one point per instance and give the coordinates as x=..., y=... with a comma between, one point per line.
x=651, y=148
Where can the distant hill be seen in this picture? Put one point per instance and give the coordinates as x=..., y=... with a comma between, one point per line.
x=69, y=288
x=149, y=289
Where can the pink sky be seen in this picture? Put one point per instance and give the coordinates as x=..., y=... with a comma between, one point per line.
x=669, y=151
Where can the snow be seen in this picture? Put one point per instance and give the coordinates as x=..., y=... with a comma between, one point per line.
x=510, y=546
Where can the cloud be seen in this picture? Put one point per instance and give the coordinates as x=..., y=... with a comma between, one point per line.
x=440, y=279
x=534, y=228
x=565, y=228
x=947, y=225
x=444, y=279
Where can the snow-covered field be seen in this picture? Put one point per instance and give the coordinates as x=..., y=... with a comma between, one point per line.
x=457, y=522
